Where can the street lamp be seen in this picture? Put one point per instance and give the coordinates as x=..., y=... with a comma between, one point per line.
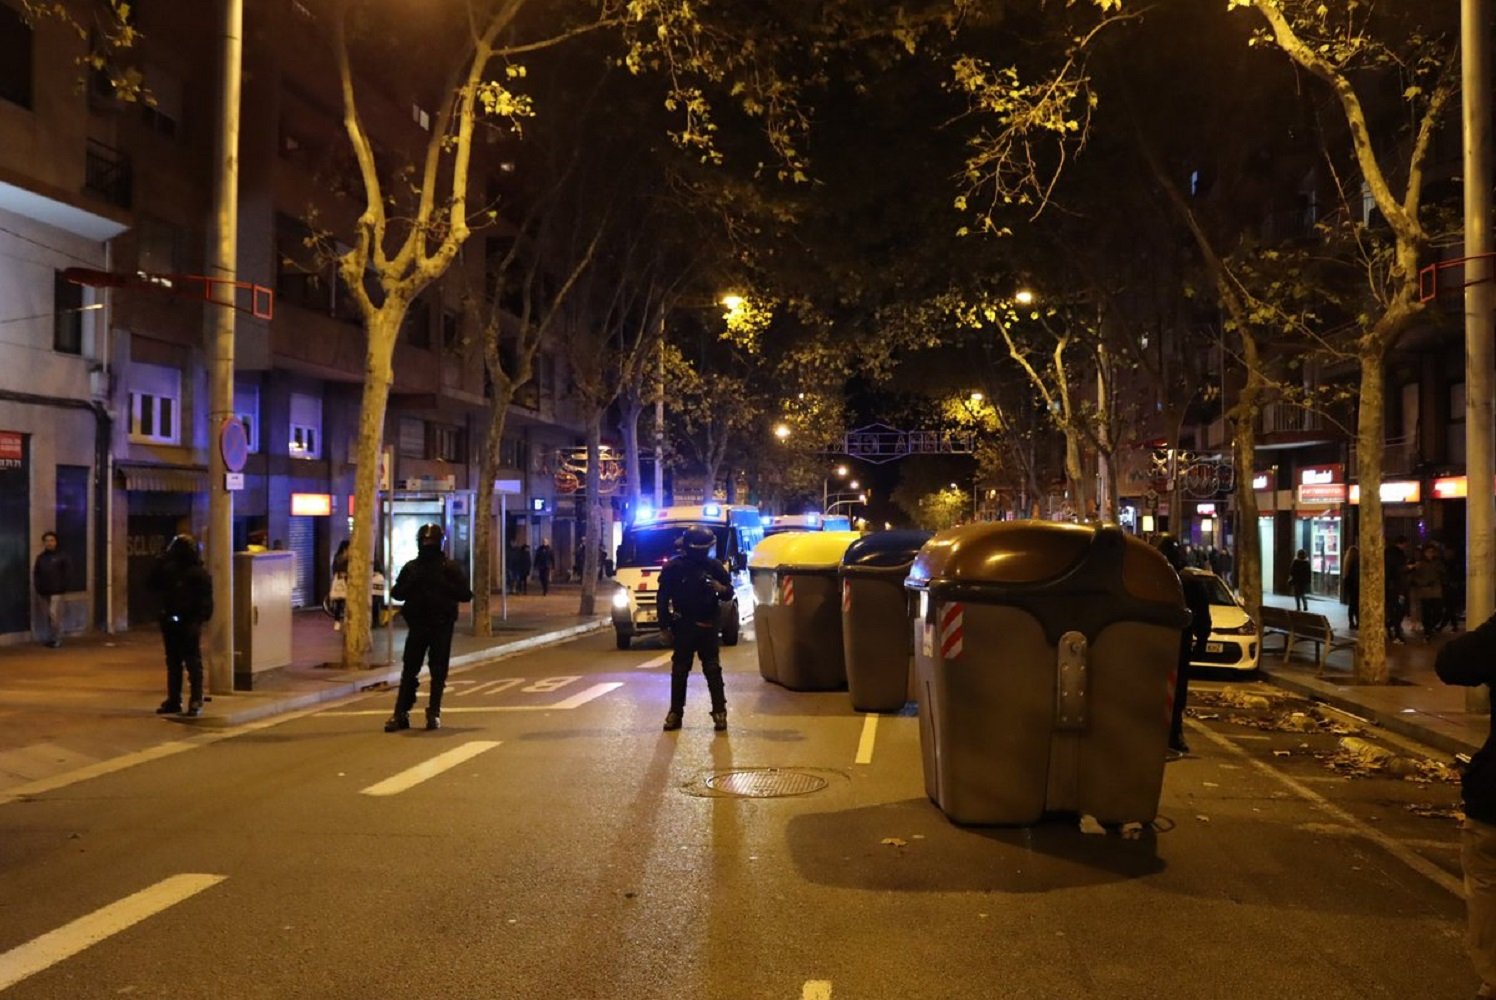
x=841, y=473
x=1024, y=297
x=732, y=301
x=782, y=431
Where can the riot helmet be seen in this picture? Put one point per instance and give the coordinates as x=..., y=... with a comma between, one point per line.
x=699, y=540
x=430, y=537
x=1169, y=547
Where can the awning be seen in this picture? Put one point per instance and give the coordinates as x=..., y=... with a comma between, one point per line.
x=163, y=478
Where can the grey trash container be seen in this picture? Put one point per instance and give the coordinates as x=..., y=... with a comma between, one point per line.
x=798, y=617
x=1044, y=658
x=875, y=619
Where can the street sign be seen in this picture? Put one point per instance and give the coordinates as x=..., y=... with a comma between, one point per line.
x=1150, y=500
x=233, y=481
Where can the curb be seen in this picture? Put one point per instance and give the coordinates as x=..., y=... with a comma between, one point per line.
x=1403, y=723
x=367, y=681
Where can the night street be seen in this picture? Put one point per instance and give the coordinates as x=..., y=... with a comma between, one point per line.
x=551, y=841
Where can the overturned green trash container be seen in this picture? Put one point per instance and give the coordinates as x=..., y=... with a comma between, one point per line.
x=797, y=610
x=1044, y=662
x=875, y=618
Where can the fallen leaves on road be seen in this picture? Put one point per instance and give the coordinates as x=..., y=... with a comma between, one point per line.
x=894, y=842
x=1089, y=824
x=1358, y=758
x=1436, y=812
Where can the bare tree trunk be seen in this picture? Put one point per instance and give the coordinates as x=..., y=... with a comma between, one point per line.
x=591, y=558
x=382, y=328
x=1074, y=472
x=628, y=427
x=1243, y=417
x=1371, y=649
x=483, y=530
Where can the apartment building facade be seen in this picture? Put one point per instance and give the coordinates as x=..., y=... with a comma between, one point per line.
x=103, y=392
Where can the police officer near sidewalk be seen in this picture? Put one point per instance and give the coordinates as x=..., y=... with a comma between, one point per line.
x=431, y=585
x=1470, y=661
x=693, y=586
x=1191, y=640
x=186, y=592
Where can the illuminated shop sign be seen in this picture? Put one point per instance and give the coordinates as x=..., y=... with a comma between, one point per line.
x=1322, y=493
x=311, y=504
x=1262, y=481
x=1205, y=509
x=1404, y=491
x=1319, y=475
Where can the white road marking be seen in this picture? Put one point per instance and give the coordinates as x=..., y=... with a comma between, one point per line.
x=1427, y=869
x=493, y=687
x=658, y=661
x=69, y=939
x=575, y=701
x=411, y=777
x=869, y=735
x=816, y=989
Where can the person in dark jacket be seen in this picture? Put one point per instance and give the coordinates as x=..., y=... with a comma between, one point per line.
x=1470, y=660
x=49, y=575
x=1395, y=587
x=1191, y=640
x=186, y=592
x=1350, y=586
x=432, y=586
x=522, y=570
x=1298, y=580
x=692, y=588
x=544, y=560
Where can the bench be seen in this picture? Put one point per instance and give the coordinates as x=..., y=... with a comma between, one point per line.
x=1303, y=626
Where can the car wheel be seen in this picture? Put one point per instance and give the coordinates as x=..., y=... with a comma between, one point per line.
x=730, y=632
x=623, y=639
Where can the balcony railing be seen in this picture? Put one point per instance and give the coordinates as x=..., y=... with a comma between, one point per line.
x=1283, y=418
x=1399, y=457
x=107, y=174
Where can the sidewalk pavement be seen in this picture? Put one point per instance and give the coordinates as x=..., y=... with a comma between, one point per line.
x=1415, y=704
x=94, y=698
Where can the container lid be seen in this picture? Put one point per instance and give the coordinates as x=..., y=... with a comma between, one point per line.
x=802, y=548
x=884, y=550
x=1069, y=576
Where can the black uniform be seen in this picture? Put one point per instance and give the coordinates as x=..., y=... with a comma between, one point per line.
x=186, y=592
x=431, y=585
x=1191, y=640
x=692, y=588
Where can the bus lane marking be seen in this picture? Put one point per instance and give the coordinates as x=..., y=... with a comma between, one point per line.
x=412, y=776
x=71, y=938
x=575, y=701
x=816, y=989
x=869, y=736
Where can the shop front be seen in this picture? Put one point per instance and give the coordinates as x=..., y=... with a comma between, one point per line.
x=1318, y=526
x=1402, y=510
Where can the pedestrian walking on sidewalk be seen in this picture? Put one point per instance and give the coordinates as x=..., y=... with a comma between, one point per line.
x=1426, y=589
x=186, y=592
x=1350, y=586
x=49, y=575
x=544, y=560
x=337, y=592
x=692, y=587
x=432, y=586
x=1470, y=661
x=1395, y=587
x=1191, y=640
x=1298, y=580
x=522, y=570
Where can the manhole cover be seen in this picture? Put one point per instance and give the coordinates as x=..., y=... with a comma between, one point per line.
x=764, y=782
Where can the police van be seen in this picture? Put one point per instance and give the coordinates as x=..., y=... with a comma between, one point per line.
x=806, y=522
x=654, y=538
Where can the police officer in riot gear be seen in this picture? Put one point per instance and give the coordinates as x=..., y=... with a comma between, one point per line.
x=1191, y=640
x=693, y=586
x=431, y=585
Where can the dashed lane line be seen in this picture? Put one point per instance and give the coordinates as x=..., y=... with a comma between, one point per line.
x=658, y=661
x=816, y=989
x=70, y=939
x=869, y=736
x=1413, y=860
x=413, y=776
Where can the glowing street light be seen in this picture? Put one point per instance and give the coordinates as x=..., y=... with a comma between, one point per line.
x=1024, y=297
x=781, y=431
x=732, y=301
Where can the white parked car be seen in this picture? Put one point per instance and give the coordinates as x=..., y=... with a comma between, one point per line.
x=1234, y=643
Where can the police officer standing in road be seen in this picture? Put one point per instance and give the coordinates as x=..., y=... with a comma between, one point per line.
x=186, y=592
x=692, y=588
x=1191, y=640
x=431, y=585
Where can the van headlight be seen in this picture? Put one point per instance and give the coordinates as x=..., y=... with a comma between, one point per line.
x=620, y=598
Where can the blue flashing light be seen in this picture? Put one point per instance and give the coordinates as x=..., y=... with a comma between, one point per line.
x=712, y=510
x=812, y=518
x=645, y=513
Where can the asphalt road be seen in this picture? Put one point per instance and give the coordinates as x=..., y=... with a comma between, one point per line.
x=551, y=841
